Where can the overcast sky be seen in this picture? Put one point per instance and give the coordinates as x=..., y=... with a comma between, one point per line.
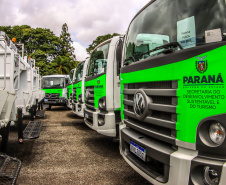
x=86, y=19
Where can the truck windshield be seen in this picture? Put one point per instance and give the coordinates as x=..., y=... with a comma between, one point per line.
x=53, y=83
x=79, y=71
x=98, y=60
x=71, y=75
x=187, y=23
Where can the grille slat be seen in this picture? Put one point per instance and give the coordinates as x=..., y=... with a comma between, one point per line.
x=160, y=121
x=153, y=92
x=164, y=108
x=74, y=95
x=151, y=132
x=52, y=95
x=152, y=120
x=90, y=101
x=128, y=102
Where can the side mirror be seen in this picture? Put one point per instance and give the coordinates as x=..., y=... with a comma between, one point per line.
x=119, y=56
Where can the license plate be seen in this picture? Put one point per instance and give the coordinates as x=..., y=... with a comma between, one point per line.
x=138, y=150
x=45, y=99
x=86, y=115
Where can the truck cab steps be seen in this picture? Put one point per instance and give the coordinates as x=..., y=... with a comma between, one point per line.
x=9, y=169
x=40, y=114
x=33, y=129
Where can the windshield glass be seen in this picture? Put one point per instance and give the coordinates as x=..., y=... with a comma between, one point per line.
x=190, y=23
x=53, y=83
x=98, y=60
x=79, y=71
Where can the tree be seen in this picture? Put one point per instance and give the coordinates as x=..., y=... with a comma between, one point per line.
x=42, y=45
x=99, y=40
x=63, y=64
x=47, y=68
x=67, y=48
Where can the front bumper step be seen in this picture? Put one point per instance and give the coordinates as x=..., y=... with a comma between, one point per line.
x=40, y=114
x=33, y=129
x=9, y=169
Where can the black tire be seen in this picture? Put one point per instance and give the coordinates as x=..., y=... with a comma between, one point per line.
x=5, y=136
x=49, y=107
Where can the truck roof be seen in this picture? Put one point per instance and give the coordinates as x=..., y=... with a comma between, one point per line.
x=47, y=76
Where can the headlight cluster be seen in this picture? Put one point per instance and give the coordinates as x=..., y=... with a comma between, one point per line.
x=79, y=108
x=101, y=120
x=212, y=133
x=217, y=133
x=80, y=98
x=210, y=176
x=102, y=103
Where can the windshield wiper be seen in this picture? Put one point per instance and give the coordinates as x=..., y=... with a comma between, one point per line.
x=169, y=47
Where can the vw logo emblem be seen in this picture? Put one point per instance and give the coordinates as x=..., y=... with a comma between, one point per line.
x=139, y=104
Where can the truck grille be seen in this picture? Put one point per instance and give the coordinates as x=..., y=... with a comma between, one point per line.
x=89, y=101
x=160, y=122
x=74, y=95
x=52, y=95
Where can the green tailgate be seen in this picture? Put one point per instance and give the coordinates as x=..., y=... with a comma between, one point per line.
x=200, y=93
x=99, y=88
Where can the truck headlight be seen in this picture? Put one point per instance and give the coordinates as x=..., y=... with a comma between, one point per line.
x=101, y=120
x=211, y=176
x=80, y=98
x=217, y=133
x=102, y=103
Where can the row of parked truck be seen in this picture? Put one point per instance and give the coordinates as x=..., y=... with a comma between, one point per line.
x=20, y=96
x=160, y=89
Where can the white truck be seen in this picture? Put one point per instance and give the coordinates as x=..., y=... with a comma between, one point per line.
x=55, y=87
x=102, y=88
x=78, y=104
x=70, y=88
x=173, y=94
x=19, y=96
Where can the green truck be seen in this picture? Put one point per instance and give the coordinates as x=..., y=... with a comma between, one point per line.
x=55, y=89
x=78, y=104
x=102, y=88
x=173, y=92
x=70, y=88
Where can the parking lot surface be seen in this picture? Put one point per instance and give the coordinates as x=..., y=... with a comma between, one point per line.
x=69, y=152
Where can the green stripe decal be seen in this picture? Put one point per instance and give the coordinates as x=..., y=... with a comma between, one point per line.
x=54, y=91
x=201, y=93
x=99, y=88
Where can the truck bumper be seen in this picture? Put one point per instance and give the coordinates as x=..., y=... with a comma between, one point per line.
x=78, y=109
x=60, y=101
x=103, y=123
x=177, y=167
x=69, y=104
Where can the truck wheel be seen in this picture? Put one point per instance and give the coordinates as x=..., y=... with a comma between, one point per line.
x=49, y=108
x=5, y=136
